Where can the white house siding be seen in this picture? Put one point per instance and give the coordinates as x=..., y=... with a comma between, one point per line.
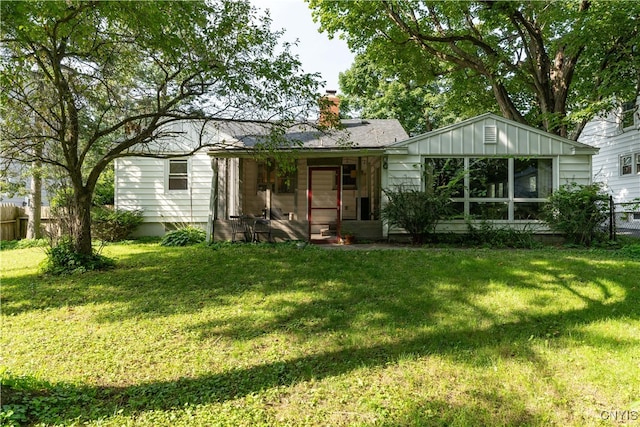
x=574, y=169
x=141, y=183
x=471, y=139
x=606, y=134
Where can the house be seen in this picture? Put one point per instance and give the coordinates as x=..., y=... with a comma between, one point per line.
x=330, y=180
x=617, y=165
x=509, y=169
x=327, y=178
x=334, y=178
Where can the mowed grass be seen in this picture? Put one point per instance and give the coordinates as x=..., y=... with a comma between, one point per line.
x=277, y=335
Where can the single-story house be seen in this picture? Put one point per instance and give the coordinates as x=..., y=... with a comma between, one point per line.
x=336, y=179
x=617, y=165
x=326, y=179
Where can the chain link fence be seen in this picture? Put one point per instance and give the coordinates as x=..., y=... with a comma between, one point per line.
x=624, y=219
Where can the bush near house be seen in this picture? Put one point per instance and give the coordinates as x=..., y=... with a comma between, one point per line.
x=112, y=225
x=416, y=211
x=184, y=236
x=577, y=211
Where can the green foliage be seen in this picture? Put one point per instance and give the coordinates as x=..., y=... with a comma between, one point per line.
x=632, y=251
x=486, y=234
x=105, y=188
x=103, y=80
x=184, y=236
x=577, y=211
x=112, y=225
x=536, y=59
x=23, y=244
x=416, y=211
x=64, y=259
x=377, y=91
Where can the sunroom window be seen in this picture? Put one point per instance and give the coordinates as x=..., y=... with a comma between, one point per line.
x=493, y=188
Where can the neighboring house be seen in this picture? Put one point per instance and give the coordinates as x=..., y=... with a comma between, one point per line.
x=509, y=168
x=617, y=165
x=512, y=168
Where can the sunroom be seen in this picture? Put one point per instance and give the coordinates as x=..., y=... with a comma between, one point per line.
x=504, y=171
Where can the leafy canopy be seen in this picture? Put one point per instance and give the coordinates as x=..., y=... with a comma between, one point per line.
x=550, y=64
x=85, y=82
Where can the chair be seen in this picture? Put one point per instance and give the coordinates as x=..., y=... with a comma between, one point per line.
x=261, y=227
x=240, y=225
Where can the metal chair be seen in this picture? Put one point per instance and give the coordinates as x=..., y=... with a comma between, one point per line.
x=262, y=227
x=240, y=225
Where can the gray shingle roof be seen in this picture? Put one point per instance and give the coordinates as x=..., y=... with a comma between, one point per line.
x=354, y=133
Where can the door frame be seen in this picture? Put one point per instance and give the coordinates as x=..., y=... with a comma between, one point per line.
x=338, y=207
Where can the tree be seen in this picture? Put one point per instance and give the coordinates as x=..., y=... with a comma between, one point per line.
x=421, y=105
x=550, y=64
x=106, y=79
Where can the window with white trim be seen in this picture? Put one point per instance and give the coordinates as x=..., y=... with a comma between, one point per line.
x=494, y=188
x=626, y=164
x=178, y=176
x=628, y=115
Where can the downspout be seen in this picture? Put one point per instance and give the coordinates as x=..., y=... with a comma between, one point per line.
x=213, y=201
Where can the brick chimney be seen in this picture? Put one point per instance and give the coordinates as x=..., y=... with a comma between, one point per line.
x=329, y=109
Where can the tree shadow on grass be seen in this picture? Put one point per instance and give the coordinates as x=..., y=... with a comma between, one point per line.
x=408, y=301
x=67, y=402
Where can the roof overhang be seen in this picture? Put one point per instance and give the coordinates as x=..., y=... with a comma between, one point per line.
x=301, y=152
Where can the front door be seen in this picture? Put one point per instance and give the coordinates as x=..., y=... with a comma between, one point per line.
x=324, y=203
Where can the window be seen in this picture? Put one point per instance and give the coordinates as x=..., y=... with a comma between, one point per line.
x=178, y=175
x=488, y=178
x=442, y=172
x=487, y=188
x=272, y=178
x=638, y=164
x=349, y=177
x=626, y=164
x=628, y=114
x=532, y=178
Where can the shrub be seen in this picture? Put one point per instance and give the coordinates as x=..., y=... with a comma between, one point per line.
x=418, y=212
x=488, y=235
x=63, y=259
x=577, y=211
x=112, y=225
x=184, y=236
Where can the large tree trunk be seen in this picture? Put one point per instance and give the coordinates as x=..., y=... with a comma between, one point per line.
x=81, y=222
x=34, y=211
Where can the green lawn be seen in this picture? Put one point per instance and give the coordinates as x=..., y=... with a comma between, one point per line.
x=276, y=335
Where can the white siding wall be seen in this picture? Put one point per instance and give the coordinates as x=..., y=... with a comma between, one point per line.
x=613, y=142
x=571, y=161
x=141, y=183
x=468, y=140
x=574, y=169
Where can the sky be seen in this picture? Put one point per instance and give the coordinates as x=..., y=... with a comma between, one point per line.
x=316, y=51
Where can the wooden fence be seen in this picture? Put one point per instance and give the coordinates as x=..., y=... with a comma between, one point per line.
x=13, y=221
